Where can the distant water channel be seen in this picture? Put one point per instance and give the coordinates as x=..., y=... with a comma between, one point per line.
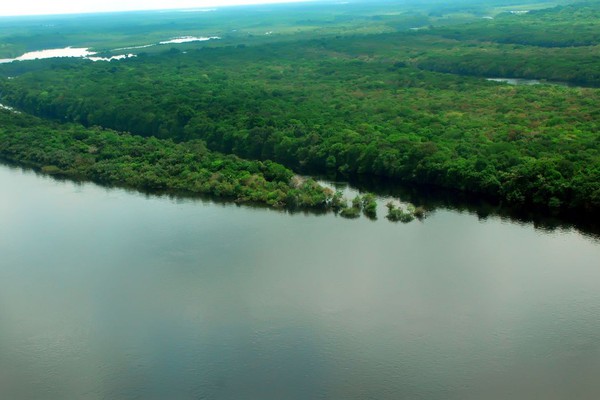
x=84, y=52
x=529, y=82
x=110, y=294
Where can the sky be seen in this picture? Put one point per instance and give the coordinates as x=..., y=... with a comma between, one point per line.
x=35, y=7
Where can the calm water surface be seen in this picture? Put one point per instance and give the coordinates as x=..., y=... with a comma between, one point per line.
x=108, y=294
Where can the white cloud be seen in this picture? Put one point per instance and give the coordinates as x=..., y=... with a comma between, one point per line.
x=31, y=7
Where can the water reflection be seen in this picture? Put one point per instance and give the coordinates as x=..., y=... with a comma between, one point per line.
x=530, y=82
x=432, y=199
x=106, y=293
x=386, y=190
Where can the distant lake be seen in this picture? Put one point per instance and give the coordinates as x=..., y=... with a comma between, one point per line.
x=51, y=53
x=66, y=52
x=84, y=52
x=113, y=294
x=528, y=82
x=188, y=39
x=2, y=106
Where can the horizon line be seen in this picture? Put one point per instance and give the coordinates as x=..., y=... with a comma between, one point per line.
x=205, y=8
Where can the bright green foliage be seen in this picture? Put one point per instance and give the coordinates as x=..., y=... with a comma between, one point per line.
x=369, y=206
x=397, y=214
x=354, y=210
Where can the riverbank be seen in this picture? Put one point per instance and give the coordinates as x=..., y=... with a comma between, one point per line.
x=149, y=164
x=109, y=157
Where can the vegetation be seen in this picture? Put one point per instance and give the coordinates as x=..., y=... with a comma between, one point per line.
x=109, y=157
x=360, y=96
x=396, y=214
x=234, y=25
x=572, y=25
x=350, y=212
x=369, y=206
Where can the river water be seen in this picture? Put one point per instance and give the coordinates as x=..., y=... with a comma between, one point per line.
x=111, y=294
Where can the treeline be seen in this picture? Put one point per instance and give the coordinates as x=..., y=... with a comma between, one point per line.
x=109, y=157
x=562, y=26
x=559, y=43
x=575, y=65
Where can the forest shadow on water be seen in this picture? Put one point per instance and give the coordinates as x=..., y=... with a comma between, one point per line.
x=433, y=198
x=429, y=198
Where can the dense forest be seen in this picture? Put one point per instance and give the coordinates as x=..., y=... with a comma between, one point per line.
x=395, y=104
x=571, y=25
x=155, y=165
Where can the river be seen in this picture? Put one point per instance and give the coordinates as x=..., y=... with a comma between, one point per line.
x=113, y=294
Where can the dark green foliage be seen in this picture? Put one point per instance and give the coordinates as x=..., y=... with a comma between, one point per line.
x=108, y=157
x=419, y=212
x=363, y=105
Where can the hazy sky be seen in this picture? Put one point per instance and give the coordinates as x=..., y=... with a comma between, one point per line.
x=28, y=7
